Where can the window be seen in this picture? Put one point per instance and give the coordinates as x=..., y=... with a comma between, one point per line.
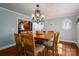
x=67, y=24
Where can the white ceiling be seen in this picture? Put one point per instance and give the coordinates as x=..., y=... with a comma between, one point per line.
x=49, y=10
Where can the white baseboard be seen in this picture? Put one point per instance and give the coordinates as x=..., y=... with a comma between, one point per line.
x=71, y=42
x=7, y=46
x=77, y=44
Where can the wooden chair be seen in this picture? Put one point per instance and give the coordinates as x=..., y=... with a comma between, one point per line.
x=49, y=43
x=50, y=34
x=56, y=41
x=53, y=49
x=50, y=31
x=19, y=44
x=29, y=45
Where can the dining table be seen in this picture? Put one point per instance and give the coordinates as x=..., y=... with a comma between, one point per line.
x=44, y=37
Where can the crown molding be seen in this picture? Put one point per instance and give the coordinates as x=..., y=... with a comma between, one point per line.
x=15, y=12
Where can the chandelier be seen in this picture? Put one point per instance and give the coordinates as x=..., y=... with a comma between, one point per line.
x=37, y=16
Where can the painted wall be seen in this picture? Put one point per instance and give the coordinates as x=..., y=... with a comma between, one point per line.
x=56, y=25
x=77, y=30
x=8, y=26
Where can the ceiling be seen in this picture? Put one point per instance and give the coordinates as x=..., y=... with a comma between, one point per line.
x=49, y=10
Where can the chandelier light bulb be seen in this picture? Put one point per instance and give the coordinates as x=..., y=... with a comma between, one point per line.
x=37, y=15
x=33, y=15
x=42, y=16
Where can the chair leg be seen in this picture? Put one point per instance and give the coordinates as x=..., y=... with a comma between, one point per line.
x=42, y=53
x=46, y=52
x=55, y=52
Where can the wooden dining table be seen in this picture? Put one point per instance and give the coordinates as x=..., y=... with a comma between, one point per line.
x=42, y=37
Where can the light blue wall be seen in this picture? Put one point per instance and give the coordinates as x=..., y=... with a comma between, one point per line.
x=56, y=25
x=8, y=26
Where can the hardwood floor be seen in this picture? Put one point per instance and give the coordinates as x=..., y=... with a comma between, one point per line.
x=64, y=49
x=9, y=51
x=68, y=49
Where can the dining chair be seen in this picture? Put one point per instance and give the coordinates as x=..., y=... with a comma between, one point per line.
x=19, y=45
x=50, y=31
x=56, y=42
x=48, y=44
x=52, y=46
x=30, y=47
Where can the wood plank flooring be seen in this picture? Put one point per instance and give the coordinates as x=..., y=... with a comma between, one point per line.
x=64, y=49
x=68, y=49
x=9, y=51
